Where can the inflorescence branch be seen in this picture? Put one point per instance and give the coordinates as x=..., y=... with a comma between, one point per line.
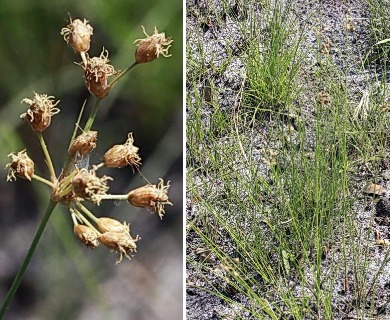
x=78, y=181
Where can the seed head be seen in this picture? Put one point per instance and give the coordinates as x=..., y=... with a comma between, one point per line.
x=87, y=185
x=96, y=73
x=20, y=166
x=84, y=143
x=120, y=242
x=78, y=35
x=105, y=224
x=41, y=109
x=122, y=155
x=324, y=98
x=86, y=235
x=151, y=196
x=152, y=46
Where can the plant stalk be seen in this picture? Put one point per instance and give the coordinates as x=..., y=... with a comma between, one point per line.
x=87, y=212
x=113, y=196
x=43, y=180
x=92, y=116
x=47, y=156
x=27, y=259
x=122, y=74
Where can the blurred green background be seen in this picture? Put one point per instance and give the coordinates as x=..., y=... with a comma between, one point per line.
x=66, y=280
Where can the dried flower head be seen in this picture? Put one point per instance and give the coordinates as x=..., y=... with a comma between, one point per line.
x=83, y=144
x=41, y=109
x=86, y=235
x=105, y=224
x=87, y=185
x=151, y=196
x=122, y=155
x=20, y=166
x=96, y=73
x=324, y=98
x=78, y=35
x=121, y=242
x=152, y=46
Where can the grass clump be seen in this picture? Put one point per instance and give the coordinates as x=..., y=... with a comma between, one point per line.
x=379, y=27
x=274, y=59
x=277, y=195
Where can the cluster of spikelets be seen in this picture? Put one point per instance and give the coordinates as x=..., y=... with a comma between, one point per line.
x=76, y=184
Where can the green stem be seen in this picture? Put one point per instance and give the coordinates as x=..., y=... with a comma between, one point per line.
x=84, y=219
x=38, y=178
x=92, y=116
x=27, y=259
x=87, y=212
x=94, y=111
x=113, y=196
x=47, y=156
x=77, y=125
x=122, y=74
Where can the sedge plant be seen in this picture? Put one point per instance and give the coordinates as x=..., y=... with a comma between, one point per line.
x=272, y=200
x=75, y=183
